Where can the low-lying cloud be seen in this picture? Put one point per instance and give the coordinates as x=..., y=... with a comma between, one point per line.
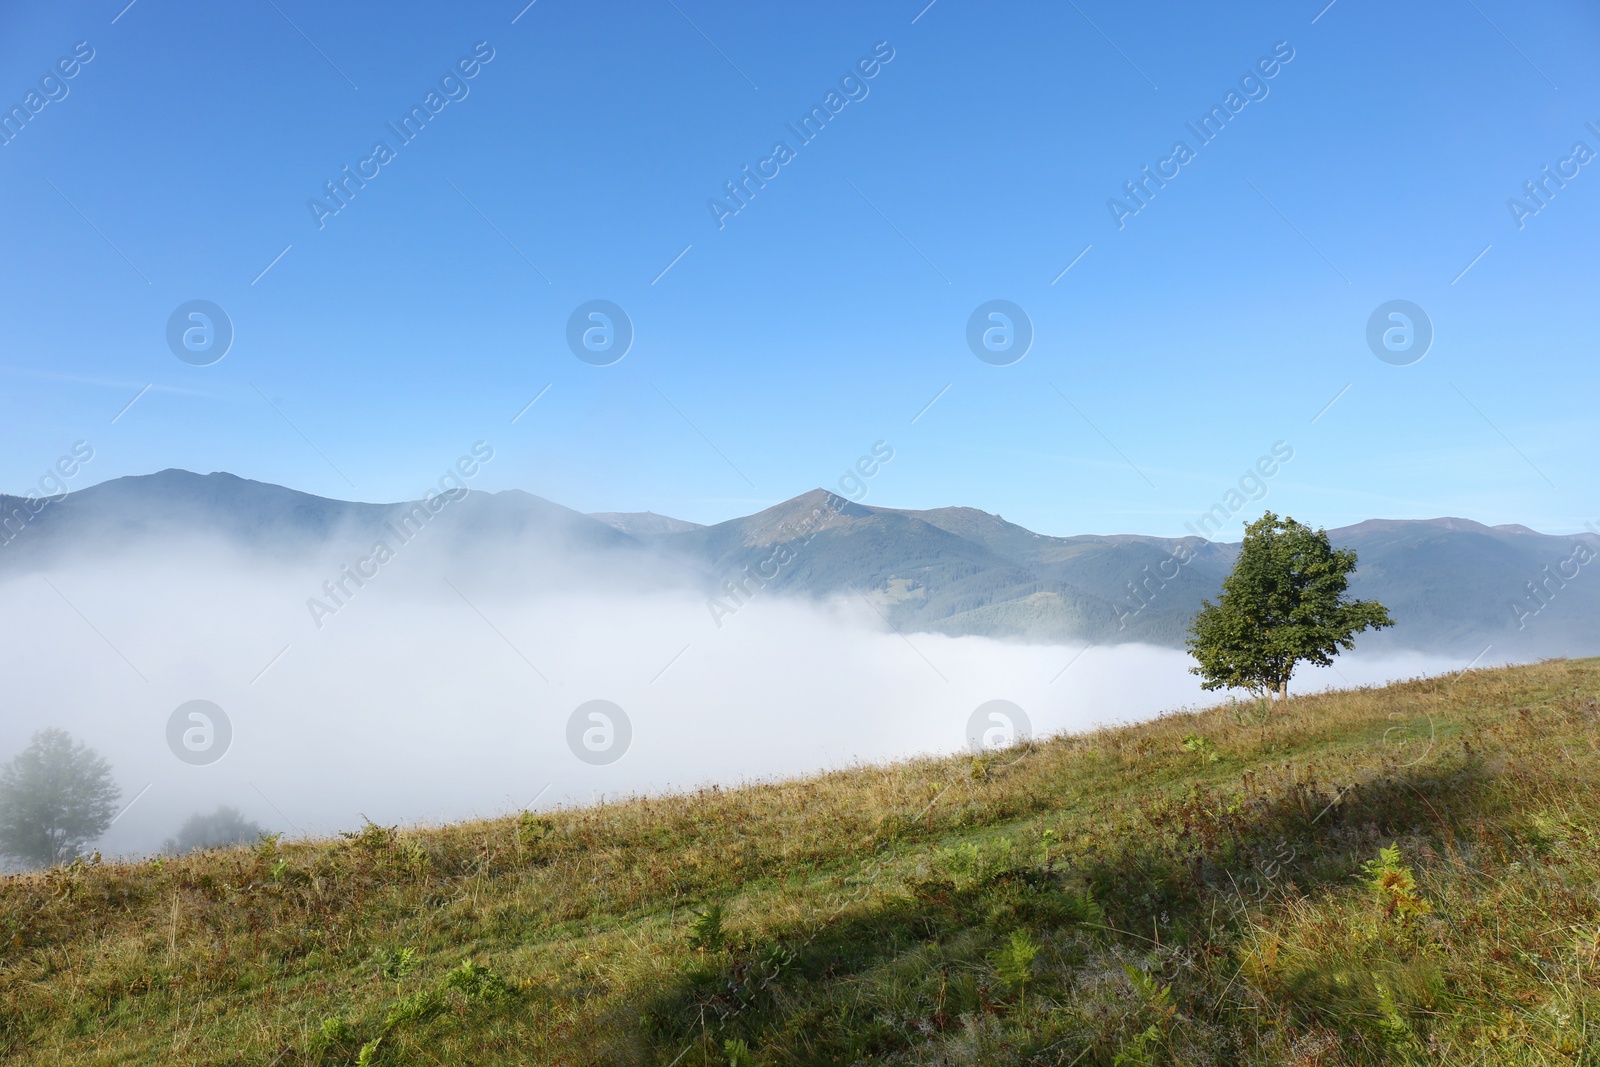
x=444, y=692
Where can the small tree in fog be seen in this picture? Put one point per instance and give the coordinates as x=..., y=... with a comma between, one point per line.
x=55, y=797
x=225, y=826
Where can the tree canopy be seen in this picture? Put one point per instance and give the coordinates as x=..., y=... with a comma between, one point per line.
x=55, y=796
x=225, y=826
x=1283, y=604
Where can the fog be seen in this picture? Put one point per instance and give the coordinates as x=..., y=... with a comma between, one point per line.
x=438, y=692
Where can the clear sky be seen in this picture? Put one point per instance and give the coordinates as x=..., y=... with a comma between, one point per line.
x=773, y=347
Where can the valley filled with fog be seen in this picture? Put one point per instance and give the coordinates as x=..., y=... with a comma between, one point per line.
x=443, y=687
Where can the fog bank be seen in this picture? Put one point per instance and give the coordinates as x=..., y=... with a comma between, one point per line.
x=439, y=694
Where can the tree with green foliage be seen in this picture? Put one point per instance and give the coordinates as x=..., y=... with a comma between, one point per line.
x=55, y=796
x=1284, y=603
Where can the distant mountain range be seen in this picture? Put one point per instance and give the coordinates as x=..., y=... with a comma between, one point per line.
x=1453, y=585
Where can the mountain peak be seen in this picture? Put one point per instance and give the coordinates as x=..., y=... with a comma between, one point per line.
x=808, y=513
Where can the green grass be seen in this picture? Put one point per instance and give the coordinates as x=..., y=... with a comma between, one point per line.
x=1383, y=876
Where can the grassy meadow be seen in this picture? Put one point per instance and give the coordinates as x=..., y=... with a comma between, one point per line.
x=1399, y=875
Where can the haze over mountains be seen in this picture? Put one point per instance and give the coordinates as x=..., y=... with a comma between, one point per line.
x=1453, y=585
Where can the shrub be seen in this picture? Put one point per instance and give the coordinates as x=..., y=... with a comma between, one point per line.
x=225, y=826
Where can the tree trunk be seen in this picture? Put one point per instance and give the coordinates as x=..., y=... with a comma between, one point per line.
x=1283, y=690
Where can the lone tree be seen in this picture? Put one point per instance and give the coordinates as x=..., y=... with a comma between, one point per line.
x=55, y=796
x=225, y=826
x=1283, y=603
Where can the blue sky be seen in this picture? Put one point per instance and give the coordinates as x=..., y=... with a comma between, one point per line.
x=772, y=352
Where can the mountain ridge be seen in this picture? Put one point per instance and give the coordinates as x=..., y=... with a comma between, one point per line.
x=1453, y=583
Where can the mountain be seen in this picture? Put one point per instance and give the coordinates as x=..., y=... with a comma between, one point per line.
x=920, y=574
x=126, y=511
x=1452, y=584
x=511, y=534
x=644, y=523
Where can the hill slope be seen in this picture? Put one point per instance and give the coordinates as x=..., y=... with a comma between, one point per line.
x=1210, y=888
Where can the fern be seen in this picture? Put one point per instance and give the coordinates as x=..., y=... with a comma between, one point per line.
x=418, y=1007
x=334, y=1031
x=1014, y=961
x=1157, y=998
x=963, y=864
x=1393, y=882
x=477, y=983
x=1140, y=1050
x=395, y=964
x=1143, y=1048
x=706, y=933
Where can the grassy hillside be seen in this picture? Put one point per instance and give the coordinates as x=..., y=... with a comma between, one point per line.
x=1404, y=875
